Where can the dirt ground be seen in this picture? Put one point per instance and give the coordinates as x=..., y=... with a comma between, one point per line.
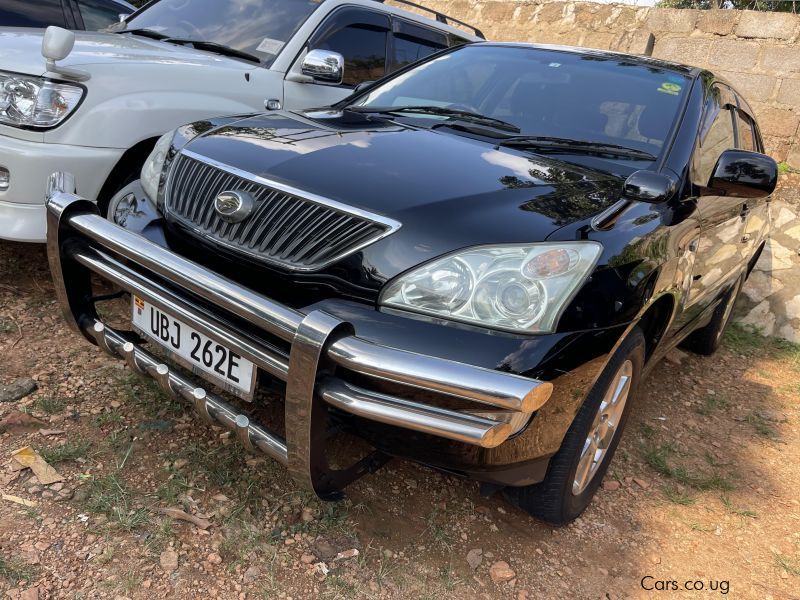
x=701, y=494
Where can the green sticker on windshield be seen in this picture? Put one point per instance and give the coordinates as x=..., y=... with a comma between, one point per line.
x=670, y=88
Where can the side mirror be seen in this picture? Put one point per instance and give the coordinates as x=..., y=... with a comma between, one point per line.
x=324, y=65
x=57, y=43
x=743, y=174
x=122, y=17
x=649, y=186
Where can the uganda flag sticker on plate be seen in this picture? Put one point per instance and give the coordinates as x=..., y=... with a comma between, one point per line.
x=673, y=89
x=139, y=304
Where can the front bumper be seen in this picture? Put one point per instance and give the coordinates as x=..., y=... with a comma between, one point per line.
x=307, y=351
x=22, y=210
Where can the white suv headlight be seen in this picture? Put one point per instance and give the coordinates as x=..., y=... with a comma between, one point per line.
x=514, y=288
x=36, y=102
x=151, y=171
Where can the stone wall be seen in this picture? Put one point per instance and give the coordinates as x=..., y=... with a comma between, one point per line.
x=758, y=52
x=771, y=298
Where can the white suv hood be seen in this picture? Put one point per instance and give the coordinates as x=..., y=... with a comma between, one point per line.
x=21, y=51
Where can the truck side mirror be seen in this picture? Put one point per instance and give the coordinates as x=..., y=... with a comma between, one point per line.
x=324, y=65
x=743, y=174
x=57, y=43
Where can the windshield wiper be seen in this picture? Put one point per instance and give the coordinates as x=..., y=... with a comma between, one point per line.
x=577, y=146
x=214, y=47
x=463, y=115
x=144, y=32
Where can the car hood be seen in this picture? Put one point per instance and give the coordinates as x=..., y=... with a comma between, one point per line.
x=21, y=51
x=448, y=191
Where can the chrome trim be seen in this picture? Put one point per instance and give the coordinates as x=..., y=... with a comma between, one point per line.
x=211, y=408
x=449, y=424
x=270, y=316
x=233, y=206
x=133, y=283
x=323, y=65
x=390, y=224
x=460, y=380
x=308, y=351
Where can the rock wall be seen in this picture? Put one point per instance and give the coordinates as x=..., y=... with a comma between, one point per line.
x=771, y=298
x=758, y=52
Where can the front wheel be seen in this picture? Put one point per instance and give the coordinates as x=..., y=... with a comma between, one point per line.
x=576, y=470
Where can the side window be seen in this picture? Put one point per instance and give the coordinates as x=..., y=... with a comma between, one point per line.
x=716, y=136
x=744, y=125
x=360, y=37
x=412, y=43
x=99, y=14
x=24, y=13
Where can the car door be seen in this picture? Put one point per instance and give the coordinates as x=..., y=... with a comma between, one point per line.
x=757, y=209
x=361, y=36
x=722, y=218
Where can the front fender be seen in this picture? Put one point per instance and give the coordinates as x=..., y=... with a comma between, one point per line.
x=117, y=114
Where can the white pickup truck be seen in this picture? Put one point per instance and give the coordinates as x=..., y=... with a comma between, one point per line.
x=95, y=104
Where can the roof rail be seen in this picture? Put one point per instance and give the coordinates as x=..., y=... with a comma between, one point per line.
x=441, y=17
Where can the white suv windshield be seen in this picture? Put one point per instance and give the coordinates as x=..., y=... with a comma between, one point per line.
x=257, y=27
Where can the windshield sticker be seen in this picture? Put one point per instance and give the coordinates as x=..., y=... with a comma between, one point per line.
x=555, y=65
x=270, y=46
x=670, y=88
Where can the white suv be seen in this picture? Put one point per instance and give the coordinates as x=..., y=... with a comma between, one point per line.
x=97, y=109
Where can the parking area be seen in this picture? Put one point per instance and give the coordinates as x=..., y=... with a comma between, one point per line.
x=700, y=501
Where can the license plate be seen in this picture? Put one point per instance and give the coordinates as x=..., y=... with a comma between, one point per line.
x=203, y=355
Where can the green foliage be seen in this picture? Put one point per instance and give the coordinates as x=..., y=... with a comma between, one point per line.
x=763, y=5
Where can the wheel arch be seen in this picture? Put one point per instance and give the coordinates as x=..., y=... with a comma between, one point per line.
x=655, y=321
x=132, y=158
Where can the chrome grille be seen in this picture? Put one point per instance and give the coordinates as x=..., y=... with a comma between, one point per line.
x=287, y=227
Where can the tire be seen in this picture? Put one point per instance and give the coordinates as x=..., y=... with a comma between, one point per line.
x=560, y=497
x=706, y=341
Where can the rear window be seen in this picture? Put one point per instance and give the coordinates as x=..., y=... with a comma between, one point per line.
x=28, y=13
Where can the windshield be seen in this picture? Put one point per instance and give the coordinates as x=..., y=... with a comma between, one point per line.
x=258, y=27
x=545, y=93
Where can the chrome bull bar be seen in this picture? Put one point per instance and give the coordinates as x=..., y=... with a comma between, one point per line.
x=80, y=241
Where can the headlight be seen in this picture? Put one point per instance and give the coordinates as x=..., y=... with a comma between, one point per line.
x=513, y=288
x=151, y=171
x=35, y=101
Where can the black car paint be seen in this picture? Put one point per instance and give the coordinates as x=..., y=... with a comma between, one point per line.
x=455, y=199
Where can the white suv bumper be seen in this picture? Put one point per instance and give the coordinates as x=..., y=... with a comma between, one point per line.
x=22, y=210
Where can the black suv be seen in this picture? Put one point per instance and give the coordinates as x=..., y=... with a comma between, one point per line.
x=471, y=263
x=91, y=15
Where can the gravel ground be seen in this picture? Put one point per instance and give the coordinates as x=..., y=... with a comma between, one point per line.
x=702, y=491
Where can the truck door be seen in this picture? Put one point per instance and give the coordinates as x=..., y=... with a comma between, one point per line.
x=361, y=36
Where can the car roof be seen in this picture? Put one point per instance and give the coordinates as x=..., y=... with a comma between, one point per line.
x=686, y=70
